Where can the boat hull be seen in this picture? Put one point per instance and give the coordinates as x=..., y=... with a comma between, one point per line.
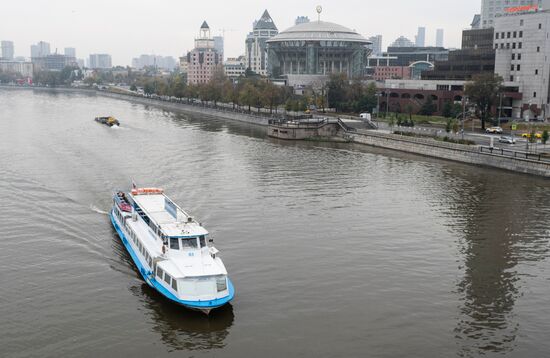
x=204, y=306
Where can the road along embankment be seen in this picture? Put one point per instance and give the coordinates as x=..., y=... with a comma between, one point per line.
x=450, y=151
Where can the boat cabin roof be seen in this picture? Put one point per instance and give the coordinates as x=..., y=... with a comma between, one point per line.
x=170, y=218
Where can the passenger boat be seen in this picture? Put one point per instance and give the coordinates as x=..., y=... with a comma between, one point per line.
x=171, y=250
x=110, y=121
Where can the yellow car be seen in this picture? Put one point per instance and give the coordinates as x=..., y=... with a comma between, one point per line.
x=528, y=135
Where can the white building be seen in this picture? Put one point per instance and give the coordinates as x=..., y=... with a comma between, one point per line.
x=234, y=68
x=420, y=39
x=70, y=52
x=7, y=50
x=402, y=41
x=376, y=45
x=41, y=49
x=256, y=44
x=439, y=38
x=522, y=53
x=25, y=69
x=493, y=8
x=100, y=61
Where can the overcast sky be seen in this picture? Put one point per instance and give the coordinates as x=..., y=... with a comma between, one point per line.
x=128, y=28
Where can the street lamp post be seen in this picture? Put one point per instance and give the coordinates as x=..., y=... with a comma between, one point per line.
x=387, y=102
x=500, y=109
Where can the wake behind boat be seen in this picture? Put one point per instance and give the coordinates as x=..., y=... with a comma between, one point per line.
x=170, y=249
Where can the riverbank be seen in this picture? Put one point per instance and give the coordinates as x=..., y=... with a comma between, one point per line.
x=519, y=162
x=512, y=161
x=220, y=112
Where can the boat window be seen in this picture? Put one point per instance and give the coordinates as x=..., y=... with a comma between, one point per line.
x=159, y=272
x=175, y=284
x=189, y=243
x=167, y=278
x=221, y=284
x=174, y=243
x=202, y=241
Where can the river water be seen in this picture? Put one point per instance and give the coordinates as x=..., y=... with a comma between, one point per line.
x=334, y=250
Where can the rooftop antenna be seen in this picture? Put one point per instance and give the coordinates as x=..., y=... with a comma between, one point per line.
x=319, y=9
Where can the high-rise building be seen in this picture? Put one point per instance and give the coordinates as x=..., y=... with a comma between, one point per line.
x=70, y=51
x=477, y=56
x=376, y=44
x=439, y=38
x=53, y=62
x=402, y=41
x=420, y=39
x=41, y=49
x=522, y=47
x=7, y=50
x=490, y=9
x=256, y=44
x=218, y=45
x=301, y=20
x=161, y=62
x=100, y=61
x=203, y=60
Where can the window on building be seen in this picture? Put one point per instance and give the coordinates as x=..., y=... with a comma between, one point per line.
x=518, y=67
x=538, y=48
x=496, y=36
x=513, y=56
x=521, y=34
x=514, y=34
x=521, y=23
x=534, y=94
x=513, y=45
x=508, y=34
x=540, y=26
x=519, y=44
x=511, y=67
x=536, y=71
x=519, y=56
x=511, y=78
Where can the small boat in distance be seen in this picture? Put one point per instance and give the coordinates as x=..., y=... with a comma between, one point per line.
x=110, y=121
x=170, y=249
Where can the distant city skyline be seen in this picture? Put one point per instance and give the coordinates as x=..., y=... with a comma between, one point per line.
x=171, y=26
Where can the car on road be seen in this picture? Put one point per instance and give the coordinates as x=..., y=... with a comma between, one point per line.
x=507, y=139
x=494, y=130
x=528, y=135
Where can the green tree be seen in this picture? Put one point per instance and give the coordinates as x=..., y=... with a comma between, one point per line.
x=337, y=86
x=248, y=95
x=545, y=136
x=428, y=108
x=483, y=91
x=447, y=111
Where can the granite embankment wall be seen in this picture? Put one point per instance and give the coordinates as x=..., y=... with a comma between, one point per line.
x=450, y=151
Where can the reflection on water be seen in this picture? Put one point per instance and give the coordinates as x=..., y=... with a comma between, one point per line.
x=183, y=329
x=495, y=226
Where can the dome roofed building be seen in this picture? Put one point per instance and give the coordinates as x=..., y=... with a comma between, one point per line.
x=317, y=48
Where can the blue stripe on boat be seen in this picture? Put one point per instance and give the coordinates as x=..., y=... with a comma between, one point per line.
x=151, y=281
